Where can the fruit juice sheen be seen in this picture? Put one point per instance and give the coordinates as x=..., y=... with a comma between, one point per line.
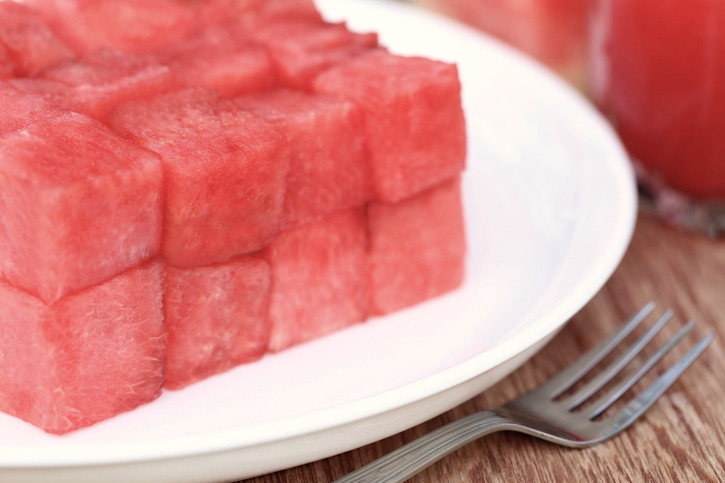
x=658, y=72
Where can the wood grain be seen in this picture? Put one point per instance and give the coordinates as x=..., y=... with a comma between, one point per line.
x=681, y=438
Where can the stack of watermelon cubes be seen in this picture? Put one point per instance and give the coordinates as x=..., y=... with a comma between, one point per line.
x=186, y=186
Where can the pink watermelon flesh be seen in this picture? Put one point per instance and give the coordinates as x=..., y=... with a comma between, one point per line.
x=217, y=317
x=29, y=40
x=213, y=12
x=79, y=205
x=417, y=248
x=318, y=278
x=102, y=81
x=413, y=117
x=18, y=109
x=225, y=173
x=301, y=50
x=328, y=158
x=218, y=60
x=131, y=26
x=85, y=358
x=8, y=66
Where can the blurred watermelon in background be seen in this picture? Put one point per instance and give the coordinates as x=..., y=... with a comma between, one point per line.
x=552, y=31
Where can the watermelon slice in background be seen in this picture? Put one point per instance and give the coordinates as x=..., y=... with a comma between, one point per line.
x=225, y=173
x=301, y=50
x=217, y=59
x=413, y=118
x=128, y=25
x=328, y=158
x=26, y=37
x=18, y=109
x=217, y=317
x=552, y=31
x=87, y=357
x=319, y=282
x=79, y=205
x=417, y=247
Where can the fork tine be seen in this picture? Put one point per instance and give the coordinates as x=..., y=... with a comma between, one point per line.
x=617, y=365
x=605, y=401
x=641, y=403
x=574, y=372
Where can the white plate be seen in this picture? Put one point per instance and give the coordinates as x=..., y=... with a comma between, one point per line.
x=550, y=206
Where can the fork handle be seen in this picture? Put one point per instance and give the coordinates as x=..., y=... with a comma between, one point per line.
x=417, y=455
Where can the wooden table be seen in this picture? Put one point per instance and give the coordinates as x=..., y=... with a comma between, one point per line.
x=681, y=438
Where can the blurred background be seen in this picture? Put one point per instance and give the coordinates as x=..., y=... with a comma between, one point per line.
x=552, y=31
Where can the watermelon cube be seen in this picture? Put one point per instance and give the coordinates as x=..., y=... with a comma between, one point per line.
x=328, y=158
x=102, y=81
x=18, y=109
x=131, y=26
x=78, y=205
x=413, y=118
x=217, y=59
x=417, y=247
x=85, y=358
x=225, y=11
x=29, y=40
x=225, y=173
x=301, y=50
x=217, y=317
x=319, y=282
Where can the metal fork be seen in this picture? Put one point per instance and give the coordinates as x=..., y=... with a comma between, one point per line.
x=544, y=414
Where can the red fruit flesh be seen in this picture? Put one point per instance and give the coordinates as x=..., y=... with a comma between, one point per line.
x=85, y=358
x=318, y=278
x=328, y=158
x=209, y=148
x=413, y=119
x=417, y=248
x=127, y=25
x=302, y=50
x=217, y=317
x=18, y=109
x=79, y=205
x=28, y=40
x=217, y=59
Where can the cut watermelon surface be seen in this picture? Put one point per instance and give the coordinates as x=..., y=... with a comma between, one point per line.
x=106, y=79
x=85, y=358
x=417, y=247
x=413, y=118
x=319, y=283
x=18, y=109
x=225, y=170
x=126, y=25
x=7, y=63
x=217, y=317
x=328, y=158
x=216, y=58
x=236, y=11
x=191, y=185
x=28, y=40
x=301, y=50
x=79, y=205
